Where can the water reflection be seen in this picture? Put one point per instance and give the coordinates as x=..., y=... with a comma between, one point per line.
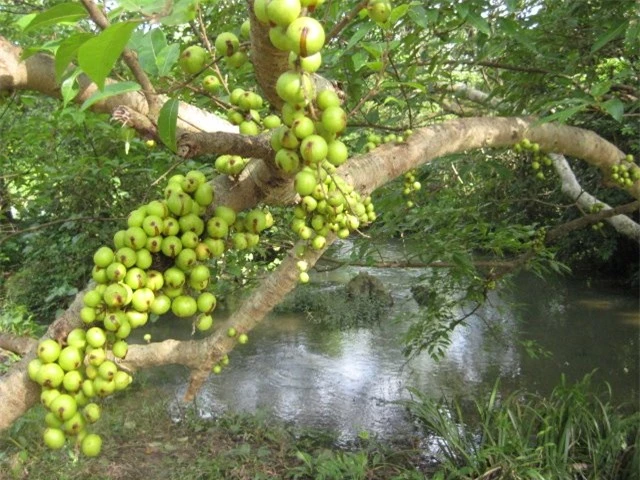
x=348, y=381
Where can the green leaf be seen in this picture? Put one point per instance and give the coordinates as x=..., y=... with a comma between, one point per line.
x=632, y=36
x=166, y=12
x=183, y=11
x=615, y=108
x=563, y=115
x=167, y=58
x=599, y=89
x=148, y=7
x=98, y=55
x=25, y=20
x=68, y=88
x=419, y=16
x=110, y=91
x=478, y=22
x=167, y=121
x=359, y=59
x=67, y=52
x=147, y=46
x=363, y=29
x=64, y=12
x=398, y=12
x=49, y=47
x=609, y=35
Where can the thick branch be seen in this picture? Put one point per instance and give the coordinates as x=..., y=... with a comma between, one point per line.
x=37, y=73
x=571, y=187
x=197, y=144
x=374, y=169
x=606, y=214
x=366, y=172
x=16, y=343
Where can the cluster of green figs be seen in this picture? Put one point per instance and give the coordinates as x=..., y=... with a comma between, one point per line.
x=159, y=263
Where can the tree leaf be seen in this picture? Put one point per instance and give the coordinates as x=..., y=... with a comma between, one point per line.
x=64, y=12
x=615, y=108
x=609, y=35
x=167, y=121
x=480, y=23
x=183, y=11
x=563, y=115
x=67, y=51
x=98, y=55
x=68, y=88
x=167, y=58
x=147, y=46
x=398, y=12
x=110, y=91
x=363, y=29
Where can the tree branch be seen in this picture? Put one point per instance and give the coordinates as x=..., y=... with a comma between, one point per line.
x=572, y=188
x=366, y=172
x=196, y=144
x=16, y=343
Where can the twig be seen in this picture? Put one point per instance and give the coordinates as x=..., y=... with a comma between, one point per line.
x=338, y=27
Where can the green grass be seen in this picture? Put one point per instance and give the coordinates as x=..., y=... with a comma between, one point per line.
x=140, y=441
x=574, y=433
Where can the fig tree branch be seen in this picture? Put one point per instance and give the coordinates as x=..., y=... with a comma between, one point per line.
x=196, y=144
x=16, y=343
x=366, y=172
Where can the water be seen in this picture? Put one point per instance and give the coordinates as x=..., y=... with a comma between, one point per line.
x=350, y=381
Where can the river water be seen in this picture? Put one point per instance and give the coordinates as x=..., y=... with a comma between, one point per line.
x=350, y=381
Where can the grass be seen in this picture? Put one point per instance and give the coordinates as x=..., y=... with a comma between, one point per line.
x=575, y=433
x=572, y=434
x=140, y=441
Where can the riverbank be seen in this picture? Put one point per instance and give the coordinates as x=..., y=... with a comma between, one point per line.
x=142, y=440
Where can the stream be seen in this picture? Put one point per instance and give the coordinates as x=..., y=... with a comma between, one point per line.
x=349, y=381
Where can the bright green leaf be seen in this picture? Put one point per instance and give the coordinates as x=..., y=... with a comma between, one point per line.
x=167, y=121
x=25, y=20
x=63, y=12
x=49, y=47
x=69, y=88
x=147, y=46
x=67, y=52
x=398, y=12
x=110, y=91
x=98, y=55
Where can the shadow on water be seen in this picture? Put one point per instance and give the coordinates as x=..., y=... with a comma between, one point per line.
x=349, y=381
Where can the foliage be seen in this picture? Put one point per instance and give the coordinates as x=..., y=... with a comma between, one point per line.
x=63, y=184
x=230, y=446
x=574, y=433
x=332, y=307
